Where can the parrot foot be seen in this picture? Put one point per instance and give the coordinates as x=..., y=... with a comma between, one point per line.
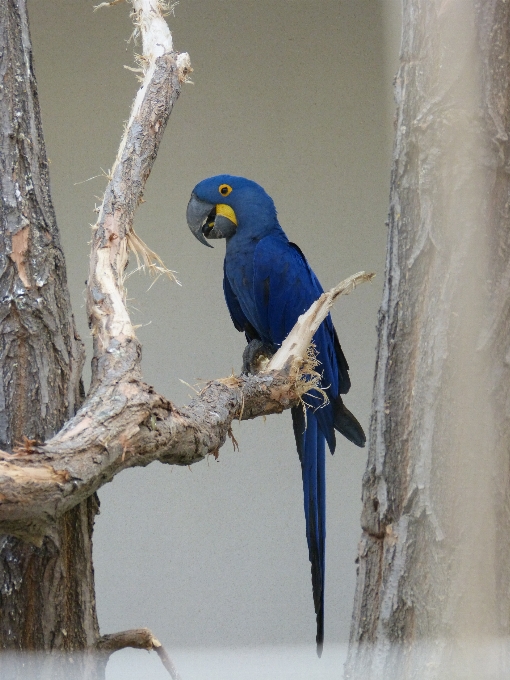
x=256, y=356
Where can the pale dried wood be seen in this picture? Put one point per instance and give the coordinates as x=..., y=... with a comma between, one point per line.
x=296, y=344
x=137, y=638
x=124, y=423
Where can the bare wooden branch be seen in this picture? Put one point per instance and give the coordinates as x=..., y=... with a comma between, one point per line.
x=138, y=638
x=164, y=72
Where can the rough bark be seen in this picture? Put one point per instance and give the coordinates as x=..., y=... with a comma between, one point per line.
x=434, y=562
x=40, y=352
x=46, y=592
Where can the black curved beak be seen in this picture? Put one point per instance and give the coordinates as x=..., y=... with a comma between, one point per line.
x=210, y=221
x=200, y=216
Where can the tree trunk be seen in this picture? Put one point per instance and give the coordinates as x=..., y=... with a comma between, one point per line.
x=434, y=561
x=46, y=590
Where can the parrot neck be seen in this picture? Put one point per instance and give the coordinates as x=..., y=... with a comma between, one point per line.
x=256, y=216
x=256, y=219
x=246, y=239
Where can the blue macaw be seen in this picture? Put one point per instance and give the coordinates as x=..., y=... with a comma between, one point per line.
x=267, y=284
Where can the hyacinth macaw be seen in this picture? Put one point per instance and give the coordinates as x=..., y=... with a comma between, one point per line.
x=267, y=284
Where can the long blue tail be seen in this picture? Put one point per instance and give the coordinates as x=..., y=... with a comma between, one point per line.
x=310, y=443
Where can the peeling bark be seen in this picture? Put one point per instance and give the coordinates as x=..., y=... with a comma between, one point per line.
x=40, y=353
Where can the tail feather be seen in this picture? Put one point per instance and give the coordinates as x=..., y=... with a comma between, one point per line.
x=311, y=448
x=347, y=424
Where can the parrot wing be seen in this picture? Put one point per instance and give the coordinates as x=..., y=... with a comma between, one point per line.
x=284, y=286
x=236, y=313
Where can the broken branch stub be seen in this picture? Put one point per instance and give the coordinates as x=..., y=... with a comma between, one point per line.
x=138, y=638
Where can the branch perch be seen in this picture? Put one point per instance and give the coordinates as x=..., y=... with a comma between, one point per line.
x=124, y=422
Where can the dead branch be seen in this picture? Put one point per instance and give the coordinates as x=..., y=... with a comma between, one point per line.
x=138, y=638
x=123, y=422
x=164, y=72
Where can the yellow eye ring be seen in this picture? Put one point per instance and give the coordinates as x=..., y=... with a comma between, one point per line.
x=224, y=189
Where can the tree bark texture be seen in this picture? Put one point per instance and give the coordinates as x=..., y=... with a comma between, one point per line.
x=46, y=591
x=434, y=562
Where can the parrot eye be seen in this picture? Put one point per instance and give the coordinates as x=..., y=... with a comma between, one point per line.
x=224, y=189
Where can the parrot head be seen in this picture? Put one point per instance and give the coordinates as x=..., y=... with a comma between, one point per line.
x=221, y=206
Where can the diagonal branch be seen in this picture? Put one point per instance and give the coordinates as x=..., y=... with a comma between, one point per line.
x=164, y=71
x=123, y=422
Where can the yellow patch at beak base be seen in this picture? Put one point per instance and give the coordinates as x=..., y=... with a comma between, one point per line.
x=226, y=211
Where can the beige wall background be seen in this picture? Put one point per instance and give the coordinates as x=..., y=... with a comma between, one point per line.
x=296, y=95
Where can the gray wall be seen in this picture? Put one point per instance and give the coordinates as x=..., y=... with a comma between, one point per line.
x=296, y=95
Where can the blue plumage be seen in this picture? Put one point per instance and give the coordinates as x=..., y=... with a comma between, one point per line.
x=267, y=284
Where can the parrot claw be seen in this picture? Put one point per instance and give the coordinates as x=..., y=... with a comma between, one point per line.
x=256, y=356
